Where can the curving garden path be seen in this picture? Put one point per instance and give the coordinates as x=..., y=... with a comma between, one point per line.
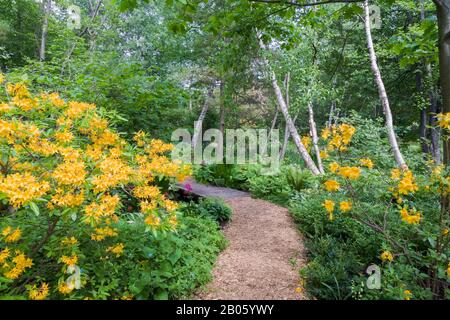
x=264, y=254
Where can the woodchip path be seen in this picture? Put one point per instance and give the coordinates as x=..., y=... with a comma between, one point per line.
x=264, y=254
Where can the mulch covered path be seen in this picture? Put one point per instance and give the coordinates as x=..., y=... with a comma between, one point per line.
x=264, y=254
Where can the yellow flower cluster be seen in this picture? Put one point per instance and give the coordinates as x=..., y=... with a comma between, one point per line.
x=102, y=233
x=113, y=172
x=408, y=294
x=54, y=99
x=387, y=256
x=64, y=136
x=69, y=261
x=105, y=208
x=324, y=154
x=152, y=220
x=69, y=242
x=21, y=96
x=410, y=216
x=64, y=155
x=68, y=199
x=117, y=249
x=334, y=167
x=332, y=185
x=139, y=138
x=345, y=206
x=147, y=192
x=351, y=173
x=20, y=188
x=306, y=140
x=158, y=147
x=444, y=120
x=17, y=264
x=70, y=173
x=64, y=288
x=366, y=162
x=77, y=109
x=340, y=136
x=10, y=235
x=407, y=183
x=39, y=293
x=4, y=254
x=329, y=207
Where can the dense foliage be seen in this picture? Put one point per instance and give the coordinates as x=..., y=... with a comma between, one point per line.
x=88, y=199
x=87, y=215
x=364, y=211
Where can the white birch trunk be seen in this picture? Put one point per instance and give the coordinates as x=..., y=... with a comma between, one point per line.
x=287, y=135
x=46, y=7
x=201, y=117
x=292, y=129
x=382, y=92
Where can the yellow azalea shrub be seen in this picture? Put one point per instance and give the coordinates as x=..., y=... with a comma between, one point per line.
x=409, y=211
x=68, y=183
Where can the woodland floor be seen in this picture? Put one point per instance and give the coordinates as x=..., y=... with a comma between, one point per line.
x=264, y=254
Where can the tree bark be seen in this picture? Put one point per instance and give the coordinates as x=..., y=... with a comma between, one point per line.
x=287, y=135
x=201, y=117
x=287, y=79
x=435, y=134
x=330, y=116
x=292, y=129
x=382, y=92
x=443, y=15
x=222, y=108
x=275, y=119
x=290, y=124
x=423, y=131
x=46, y=6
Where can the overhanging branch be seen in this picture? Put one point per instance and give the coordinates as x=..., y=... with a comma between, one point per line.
x=293, y=3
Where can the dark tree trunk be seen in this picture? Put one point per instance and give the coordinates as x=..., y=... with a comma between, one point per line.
x=435, y=108
x=443, y=15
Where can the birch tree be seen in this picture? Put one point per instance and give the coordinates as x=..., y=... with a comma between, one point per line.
x=290, y=124
x=382, y=91
x=201, y=117
x=46, y=7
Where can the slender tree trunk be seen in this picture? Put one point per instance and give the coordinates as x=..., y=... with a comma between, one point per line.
x=287, y=134
x=222, y=108
x=46, y=6
x=330, y=116
x=439, y=288
x=275, y=119
x=292, y=129
x=435, y=134
x=423, y=132
x=382, y=92
x=201, y=117
x=315, y=138
x=443, y=15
